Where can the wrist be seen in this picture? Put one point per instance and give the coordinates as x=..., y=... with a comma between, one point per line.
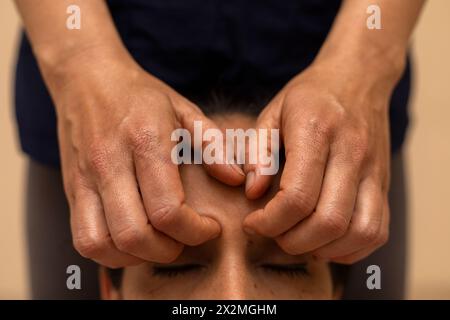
x=61, y=68
x=370, y=63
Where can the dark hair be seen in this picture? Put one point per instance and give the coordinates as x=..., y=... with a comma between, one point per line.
x=221, y=101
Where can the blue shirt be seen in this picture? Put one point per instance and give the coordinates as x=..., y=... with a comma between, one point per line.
x=249, y=47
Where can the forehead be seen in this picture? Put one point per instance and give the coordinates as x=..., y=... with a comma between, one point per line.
x=210, y=197
x=228, y=206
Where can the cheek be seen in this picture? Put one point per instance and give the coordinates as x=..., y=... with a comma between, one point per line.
x=321, y=282
x=316, y=285
x=139, y=284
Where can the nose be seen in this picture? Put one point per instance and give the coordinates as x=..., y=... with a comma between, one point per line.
x=231, y=282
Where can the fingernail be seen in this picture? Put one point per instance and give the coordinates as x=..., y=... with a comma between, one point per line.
x=250, y=180
x=237, y=169
x=249, y=231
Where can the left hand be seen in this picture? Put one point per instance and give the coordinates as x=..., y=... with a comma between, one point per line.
x=333, y=197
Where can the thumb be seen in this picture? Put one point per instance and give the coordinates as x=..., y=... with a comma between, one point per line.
x=260, y=173
x=210, y=152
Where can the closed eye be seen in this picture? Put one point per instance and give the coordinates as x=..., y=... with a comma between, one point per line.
x=176, y=270
x=292, y=270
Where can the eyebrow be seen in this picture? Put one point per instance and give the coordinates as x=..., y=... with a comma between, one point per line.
x=256, y=249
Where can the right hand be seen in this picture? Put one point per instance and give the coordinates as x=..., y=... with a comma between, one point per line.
x=125, y=194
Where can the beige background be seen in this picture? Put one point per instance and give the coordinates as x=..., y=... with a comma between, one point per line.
x=428, y=154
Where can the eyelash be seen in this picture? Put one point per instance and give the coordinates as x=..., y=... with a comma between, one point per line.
x=174, y=271
x=292, y=270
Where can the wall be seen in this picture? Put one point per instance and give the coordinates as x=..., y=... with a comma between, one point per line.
x=428, y=157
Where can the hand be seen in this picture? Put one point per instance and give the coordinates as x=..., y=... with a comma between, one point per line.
x=126, y=198
x=333, y=189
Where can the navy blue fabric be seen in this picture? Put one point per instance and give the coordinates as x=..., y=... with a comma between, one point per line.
x=245, y=48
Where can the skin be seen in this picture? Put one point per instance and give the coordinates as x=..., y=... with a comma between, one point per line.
x=126, y=199
x=235, y=265
x=332, y=118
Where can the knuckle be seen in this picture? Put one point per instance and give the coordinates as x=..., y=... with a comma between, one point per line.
x=383, y=238
x=369, y=232
x=268, y=231
x=144, y=141
x=335, y=225
x=99, y=159
x=360, y=146
x=170, y=255
x=128, y=239
x=165, y=217
x=321, y=128
x=288, y=245
x=88, y=246
x=301, y=202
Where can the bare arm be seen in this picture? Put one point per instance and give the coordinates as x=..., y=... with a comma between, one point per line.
x=54, y=45
x=115, y=122
x=384, y=50
x=333, y=118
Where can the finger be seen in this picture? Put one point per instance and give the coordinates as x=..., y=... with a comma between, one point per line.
x=301, y=181
x=365, y=224
x=90, y=233
x=382, y=238
x=162, y=191
x=334, y=209
x=224, y=170
x=262, y=156
x=128, y=222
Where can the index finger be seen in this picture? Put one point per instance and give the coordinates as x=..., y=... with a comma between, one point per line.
x=162, y=191
x=301, y=181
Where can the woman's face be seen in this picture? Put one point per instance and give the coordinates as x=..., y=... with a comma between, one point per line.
x=233, y=266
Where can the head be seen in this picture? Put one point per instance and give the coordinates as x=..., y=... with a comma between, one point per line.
x=235, y=265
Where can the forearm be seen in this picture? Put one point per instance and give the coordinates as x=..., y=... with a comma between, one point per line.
x=58, y=49
x=378, y=52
